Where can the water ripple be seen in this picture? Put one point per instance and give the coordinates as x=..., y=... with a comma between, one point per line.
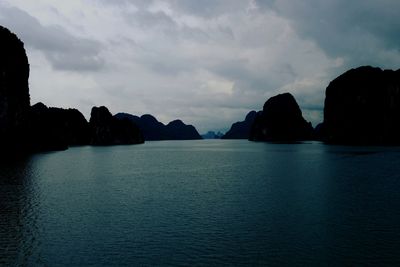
x=228, y=203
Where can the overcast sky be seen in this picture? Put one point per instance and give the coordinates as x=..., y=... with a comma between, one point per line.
x=207, y=62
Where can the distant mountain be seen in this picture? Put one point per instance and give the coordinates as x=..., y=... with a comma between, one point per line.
x=108, y=130
x=241, y=129
x=154, y=130
x=151, y=128
x=51, y=128
x=177, y=130
x=56, y=128
x=212, y=135
x=362, y=107
x=281, y=120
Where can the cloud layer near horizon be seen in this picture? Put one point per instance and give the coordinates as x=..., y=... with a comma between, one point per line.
x=206, y=62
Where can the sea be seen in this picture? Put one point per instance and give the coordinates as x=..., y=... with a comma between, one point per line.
x=202, y=203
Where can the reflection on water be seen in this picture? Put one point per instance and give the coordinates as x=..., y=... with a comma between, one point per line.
x=202, y=203
x=19, y=213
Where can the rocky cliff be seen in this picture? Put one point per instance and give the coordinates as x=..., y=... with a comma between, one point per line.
x=14, y=91
x=362, y=106
x=108, y=130
x=280, y=120
x=241, y=129
x=177, y=130
x=56, y=128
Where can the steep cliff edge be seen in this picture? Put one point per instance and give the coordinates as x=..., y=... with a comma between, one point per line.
x=14, y=91
x=56, y=128
x=281, y=120
x=108, y=130
x=362, y=107
x=241, y=129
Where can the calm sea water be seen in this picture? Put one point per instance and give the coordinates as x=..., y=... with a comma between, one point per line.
x=202, y=203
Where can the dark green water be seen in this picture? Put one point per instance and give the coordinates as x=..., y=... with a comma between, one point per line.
x=202, y=203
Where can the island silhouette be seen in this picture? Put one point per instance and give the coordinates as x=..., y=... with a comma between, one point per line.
x=362, y=107
x=153, y=130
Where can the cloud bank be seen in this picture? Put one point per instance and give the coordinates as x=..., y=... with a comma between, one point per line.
x=206, y=62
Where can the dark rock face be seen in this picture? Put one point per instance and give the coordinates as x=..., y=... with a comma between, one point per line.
x=280, y=121
x=154, y=130
x=362, y=106
x=177, y=130
x=14, y=91
x=241, y=129
x=109, y=130
x=320, y=132
x=151, y=128
x=56, y=128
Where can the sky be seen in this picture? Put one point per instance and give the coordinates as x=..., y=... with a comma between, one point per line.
x=206, y=62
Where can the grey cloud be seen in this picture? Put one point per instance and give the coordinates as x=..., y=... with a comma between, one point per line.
x=165, y=64
x=192, y=59
x=124, y=3
x=203, y=8
x=210, y=8
x=354, y=30
x=247, y=79
x=166, y=25
x=194, y=34
x=149, y=20
x=64, y=50
x=161, y=52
